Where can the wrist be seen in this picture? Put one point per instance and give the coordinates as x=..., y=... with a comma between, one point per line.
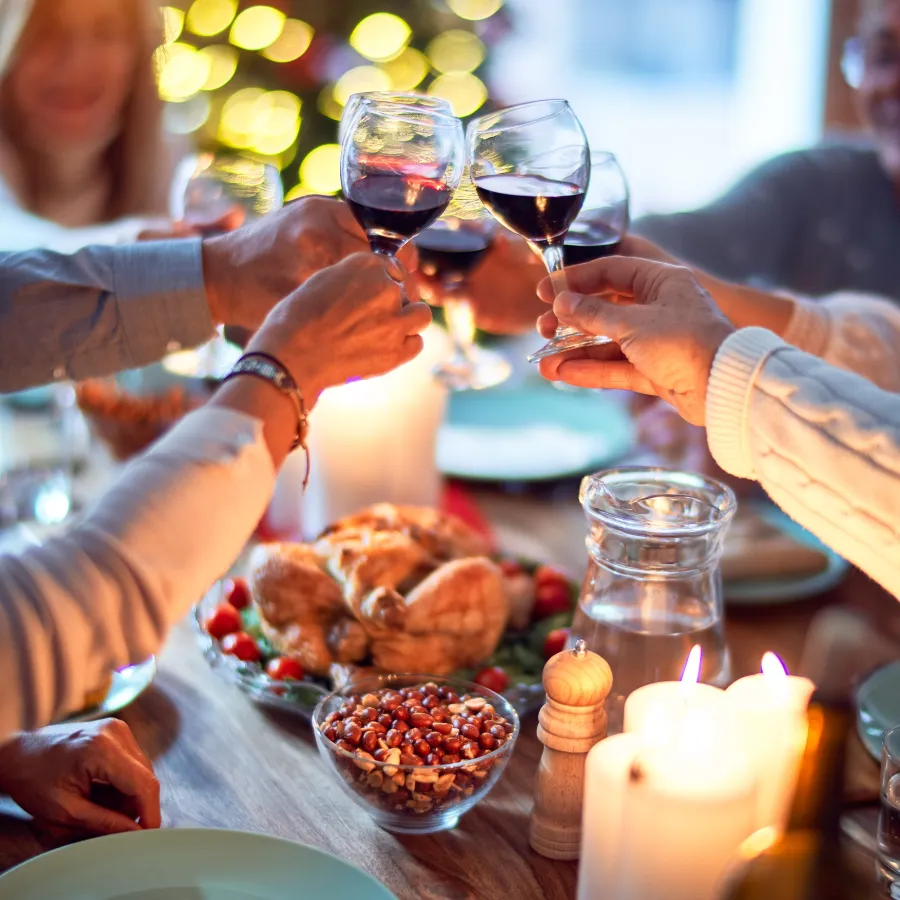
x=215, y=267
x=8, y=756
x=300, y=364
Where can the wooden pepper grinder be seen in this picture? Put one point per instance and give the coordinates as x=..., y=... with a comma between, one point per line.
x=571, y=721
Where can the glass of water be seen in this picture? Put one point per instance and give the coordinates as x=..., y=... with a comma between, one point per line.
x=889, y=817
x=653, y=587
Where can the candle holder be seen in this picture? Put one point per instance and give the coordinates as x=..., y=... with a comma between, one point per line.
x=572, y=720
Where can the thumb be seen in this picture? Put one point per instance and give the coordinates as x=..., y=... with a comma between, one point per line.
x=98, y=819
x=591, y=315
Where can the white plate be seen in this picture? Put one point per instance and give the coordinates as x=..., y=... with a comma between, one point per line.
x=189, y=864
x=532, y=432
x=878, y=706
x=127, y=684
x=770, y=591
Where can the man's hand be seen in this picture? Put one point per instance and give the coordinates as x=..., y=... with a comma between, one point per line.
x=81, y=779
x=248, y=271
x=665, y=328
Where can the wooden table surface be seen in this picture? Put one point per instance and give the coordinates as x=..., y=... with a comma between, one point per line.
x=224, y=762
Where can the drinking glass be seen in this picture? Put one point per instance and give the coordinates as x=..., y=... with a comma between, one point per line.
x=531, y=168
x=889, y=817
x=653, y=587
x=399, y=169
x=399, y=98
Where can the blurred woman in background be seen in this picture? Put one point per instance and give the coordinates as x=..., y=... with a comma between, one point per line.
x=83, y=157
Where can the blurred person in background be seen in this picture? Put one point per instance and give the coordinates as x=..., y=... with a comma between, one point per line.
x=820, y=220
x=83, y=156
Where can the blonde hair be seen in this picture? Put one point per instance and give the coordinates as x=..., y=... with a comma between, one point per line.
x=138, y=156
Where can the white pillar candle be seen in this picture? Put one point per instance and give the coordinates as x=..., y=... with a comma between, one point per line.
x=769, y=716
x=374, y=441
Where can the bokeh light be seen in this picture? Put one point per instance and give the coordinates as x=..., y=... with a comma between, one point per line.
x=464, y=92
x=407, y=71
x=182, y=71
x=267, y=122
x=320, y=171
x=173, y=23
x=456, y=51
x=297, y=191
x=187, y=116
x=328, y=106
x=223, y=62
x=257, y=27
x=381, y=36
x=474, y=9
x=358, y=80
x=292, y=43
x=209, y=17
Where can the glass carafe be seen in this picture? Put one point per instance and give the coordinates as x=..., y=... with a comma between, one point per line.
x=653, y=587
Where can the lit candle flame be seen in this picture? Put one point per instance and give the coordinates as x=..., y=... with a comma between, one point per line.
x=691, y=672
x=772, y=666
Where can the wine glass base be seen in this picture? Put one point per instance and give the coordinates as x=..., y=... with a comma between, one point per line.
x=482, y=369
x=569, y=342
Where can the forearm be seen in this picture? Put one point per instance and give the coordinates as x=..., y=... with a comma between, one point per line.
x=105, y=594
x=825, y=444
x=98, y=311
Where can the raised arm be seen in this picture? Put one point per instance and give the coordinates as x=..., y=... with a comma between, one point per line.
x=104, y=594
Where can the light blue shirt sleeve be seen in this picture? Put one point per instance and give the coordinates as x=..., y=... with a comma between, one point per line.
x=98, y=311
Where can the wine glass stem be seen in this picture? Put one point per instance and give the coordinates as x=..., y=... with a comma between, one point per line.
x=396, y=271
x=553, y=260
x=460, y=323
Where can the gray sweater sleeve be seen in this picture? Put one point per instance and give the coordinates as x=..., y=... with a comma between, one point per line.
x=749, y=231
x=98, y=311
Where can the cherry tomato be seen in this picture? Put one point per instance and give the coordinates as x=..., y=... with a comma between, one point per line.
x=241, y=645
x=283, y=668
x=493, y=678
x=555, y=642
x=222, y=621
x=237, y=593
x=510, y=568
x=548, y=575
x=551, y=598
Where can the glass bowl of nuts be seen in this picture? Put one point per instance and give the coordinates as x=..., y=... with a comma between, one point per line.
x=417, y=751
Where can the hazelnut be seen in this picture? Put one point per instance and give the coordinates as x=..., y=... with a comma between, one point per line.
x=353, y=733
x=369, y=741
x=399, y=725
x=431, y=701
x=393, y=738
x=410, y=759
x=421, y=720
x=384, y=719
x=470, y=732
x=487, y=741
x=380, y=755
x=498, y=731
x=423, y=748
x=470, y=750
x=330, y=732
x=442, y=727
x=401, y=713
x=451, y=744
x=375, y=728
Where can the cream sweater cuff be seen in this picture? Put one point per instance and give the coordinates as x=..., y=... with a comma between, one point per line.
x=731, y=383
x=809, y=326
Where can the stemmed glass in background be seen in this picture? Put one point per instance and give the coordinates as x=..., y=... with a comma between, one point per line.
x=416, y=101
x=531, y=168
x=399, y=168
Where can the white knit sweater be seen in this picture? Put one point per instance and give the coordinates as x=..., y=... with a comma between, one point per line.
x=824, y=444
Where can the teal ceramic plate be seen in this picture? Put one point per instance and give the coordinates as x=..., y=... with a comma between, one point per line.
x=189, y=864
x=127, y=684
x=532, y=432
x=764, y=591
x=878, y=706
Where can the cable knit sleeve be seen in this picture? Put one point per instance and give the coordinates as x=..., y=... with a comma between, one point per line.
x=824, y=443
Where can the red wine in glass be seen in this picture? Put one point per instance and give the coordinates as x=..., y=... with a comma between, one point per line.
x=393, y=207
x=588, y=240
x=448, y=254
x=536, y=208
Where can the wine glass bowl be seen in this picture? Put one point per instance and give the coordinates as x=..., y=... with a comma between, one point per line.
x=397, y=98
x=531, y=168
x=399, y=169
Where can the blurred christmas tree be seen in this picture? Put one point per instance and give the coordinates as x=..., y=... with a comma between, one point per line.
x=271, y=80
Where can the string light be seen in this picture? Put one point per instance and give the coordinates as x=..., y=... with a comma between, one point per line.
x=223, y=62
x=209, y=17
x=320, y=171
x=407, y=71
x=183, y=71
x=380, y=37
x=257, y=27
x=463, y=91
x=327, y=105
x=292, y=43
x=456, y=51
x=173, y=23
x=474, y=9
x=359, y=80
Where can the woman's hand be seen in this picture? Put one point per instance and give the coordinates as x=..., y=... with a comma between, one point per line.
x=347, y=321
x=81, y=780
x=665, y=328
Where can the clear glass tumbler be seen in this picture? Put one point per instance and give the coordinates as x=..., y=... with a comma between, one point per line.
x=889, y=817
x=653, y=587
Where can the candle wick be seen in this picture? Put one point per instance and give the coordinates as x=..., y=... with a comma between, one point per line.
x=580, y=650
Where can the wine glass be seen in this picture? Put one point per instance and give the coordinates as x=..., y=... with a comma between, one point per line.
x=399, y=169
x=603, y=221
x=220, y=193
x=399, y=98
x=449, y=251
x=531, y=168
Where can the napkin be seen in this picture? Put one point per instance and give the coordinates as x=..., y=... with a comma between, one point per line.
x=755, y=548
